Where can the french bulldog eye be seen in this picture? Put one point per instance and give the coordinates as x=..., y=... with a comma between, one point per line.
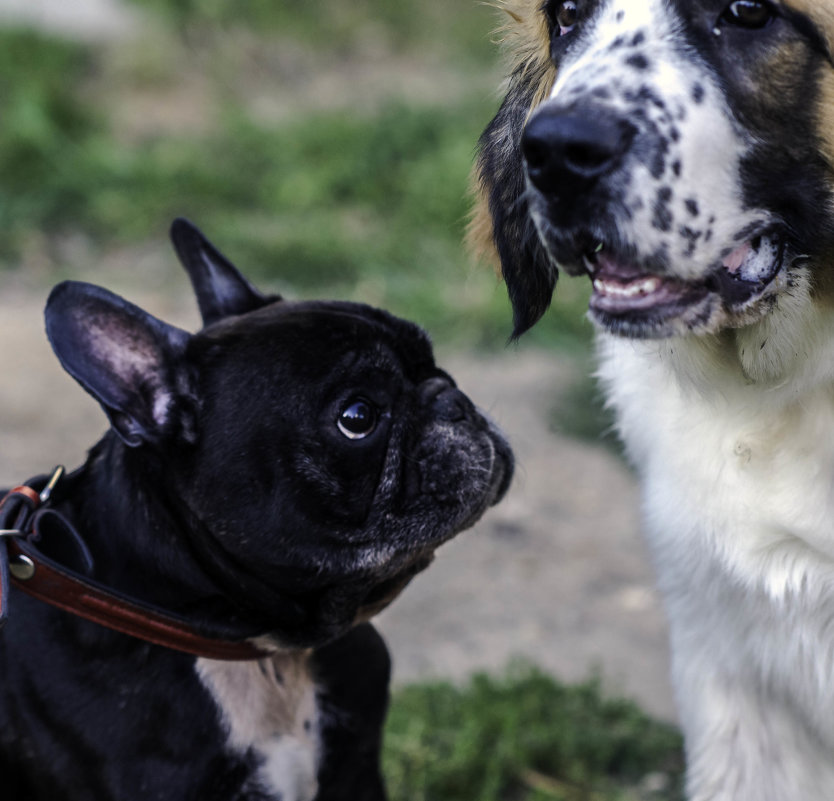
x=358, y=419
x=749, y=13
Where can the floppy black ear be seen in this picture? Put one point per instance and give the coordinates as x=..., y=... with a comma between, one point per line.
x=128, y=360
x=528, y=271
x=220, y=288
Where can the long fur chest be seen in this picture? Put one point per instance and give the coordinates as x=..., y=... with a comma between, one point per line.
x=738, y=494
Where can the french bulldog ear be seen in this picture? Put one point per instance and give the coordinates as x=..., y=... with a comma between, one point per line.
x=128, y=360
x=220, y=288
x=528, y=271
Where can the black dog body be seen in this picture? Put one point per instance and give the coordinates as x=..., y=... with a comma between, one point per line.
x=277, y=477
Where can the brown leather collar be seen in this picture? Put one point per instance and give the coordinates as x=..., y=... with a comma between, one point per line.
x=25, y=567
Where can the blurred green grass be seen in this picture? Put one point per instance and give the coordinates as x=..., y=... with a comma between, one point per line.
x=458, y=29
x=366, y=201
x=526, y=737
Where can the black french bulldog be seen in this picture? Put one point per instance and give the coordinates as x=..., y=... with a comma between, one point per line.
x=273, y=481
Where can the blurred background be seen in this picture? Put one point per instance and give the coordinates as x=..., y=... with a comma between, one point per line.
x=325, y=147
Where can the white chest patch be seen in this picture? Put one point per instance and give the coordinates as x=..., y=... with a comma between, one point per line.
x=269, y=707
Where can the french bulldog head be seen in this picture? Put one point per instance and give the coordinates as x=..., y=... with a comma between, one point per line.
x=317, y=454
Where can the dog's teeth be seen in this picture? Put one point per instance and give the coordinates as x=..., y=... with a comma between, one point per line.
x=634, y=289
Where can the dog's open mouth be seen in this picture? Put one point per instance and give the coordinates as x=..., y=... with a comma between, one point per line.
x=626, y=294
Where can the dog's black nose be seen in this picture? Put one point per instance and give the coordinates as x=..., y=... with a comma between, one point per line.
x=447, y=402
x=567, y=151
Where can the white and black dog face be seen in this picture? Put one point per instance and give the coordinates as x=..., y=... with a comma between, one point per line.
x=676, y=151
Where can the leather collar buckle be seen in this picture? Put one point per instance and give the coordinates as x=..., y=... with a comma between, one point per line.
x=43, y=573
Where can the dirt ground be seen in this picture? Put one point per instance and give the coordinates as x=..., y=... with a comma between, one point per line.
x=556, y=574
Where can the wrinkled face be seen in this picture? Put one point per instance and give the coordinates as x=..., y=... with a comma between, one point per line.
x=675, y=151
x=333, y=456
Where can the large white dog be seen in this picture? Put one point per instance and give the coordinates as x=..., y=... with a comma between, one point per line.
x=680, y=153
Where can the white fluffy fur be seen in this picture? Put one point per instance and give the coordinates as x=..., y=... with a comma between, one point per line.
x=732, y=433
x=733, y=436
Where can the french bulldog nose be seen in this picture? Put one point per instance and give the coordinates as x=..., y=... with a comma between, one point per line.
x=446, y=401
x=568, y=151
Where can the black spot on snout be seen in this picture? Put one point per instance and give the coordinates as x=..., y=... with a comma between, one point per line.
x=662, y=219
x=657, y=165
x=638, y=61
x=691, y=236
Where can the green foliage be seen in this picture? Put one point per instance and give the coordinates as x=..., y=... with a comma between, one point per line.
x=43, y=132
x=526, y=737
x=366, y=203
x=460, y=29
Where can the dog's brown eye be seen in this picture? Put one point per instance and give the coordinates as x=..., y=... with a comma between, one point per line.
x=749, y=13
x=566, y=15
x=358, y=419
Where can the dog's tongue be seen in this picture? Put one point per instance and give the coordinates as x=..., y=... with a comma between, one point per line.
x=756, y=261
x=734, y=261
